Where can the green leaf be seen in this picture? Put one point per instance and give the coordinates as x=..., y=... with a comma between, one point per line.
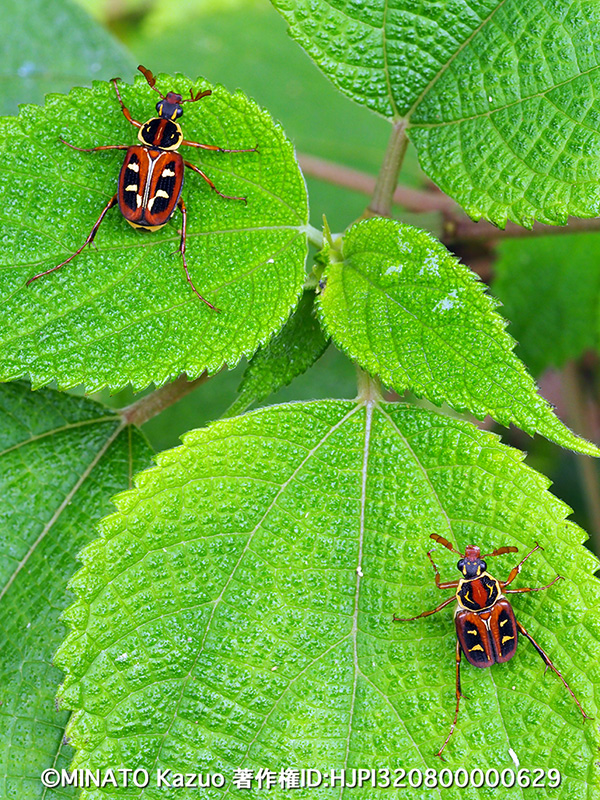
x=290, y=353
x=50, y=45
x=209, y=33
x=498, y=97
x=407, y=310
x=60, y=459
x=123, y=311
x=550, y=289
x=237, y=609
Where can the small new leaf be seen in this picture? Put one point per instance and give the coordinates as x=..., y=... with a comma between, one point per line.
x=408, y=311
x=122, y=310
x=236, y=612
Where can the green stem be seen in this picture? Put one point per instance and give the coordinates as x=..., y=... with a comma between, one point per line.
x=152, y=404
x=314, y=236
x=387, y=180
x=369, y=389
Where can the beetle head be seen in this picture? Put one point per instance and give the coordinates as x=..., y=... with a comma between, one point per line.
x=170, y=106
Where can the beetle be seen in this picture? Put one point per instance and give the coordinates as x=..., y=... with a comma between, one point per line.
x=151, y=178
x=486, y=628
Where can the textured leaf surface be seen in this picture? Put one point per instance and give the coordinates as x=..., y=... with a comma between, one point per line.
x=60, y=459
x=406, y=309
x=550, y=291
x=290, y=353
x=500, y=97
x=237, y=609
x=48, y=46
x=123, y=311
x=209, y=34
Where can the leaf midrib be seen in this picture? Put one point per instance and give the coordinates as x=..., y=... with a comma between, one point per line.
x=120, y=426
x=218, y=600
x=451, y=60
x=434, y=331
x=151, y=313
x=542, y=93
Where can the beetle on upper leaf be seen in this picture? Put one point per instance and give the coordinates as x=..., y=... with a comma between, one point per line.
x=151, y=178
x=486, y=628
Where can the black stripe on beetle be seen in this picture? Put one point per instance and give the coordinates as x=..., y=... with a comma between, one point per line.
x=165, y=187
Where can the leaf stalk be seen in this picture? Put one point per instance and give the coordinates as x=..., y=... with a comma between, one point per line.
x=152, y=404
x=387, y=180
x=369, y=388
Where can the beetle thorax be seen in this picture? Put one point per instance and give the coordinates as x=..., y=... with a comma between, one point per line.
x=162, y=133
x=478, y=594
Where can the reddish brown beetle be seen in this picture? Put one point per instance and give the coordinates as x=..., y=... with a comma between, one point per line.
x=486, y=628
x=151, y=178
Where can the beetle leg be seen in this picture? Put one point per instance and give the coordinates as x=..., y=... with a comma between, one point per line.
x=124, y=109
x=438, y=583
x=535, y=589
x=89, y=240
x=548, y=663
x=94, y=149
x=216, y=148
x=211, y=184
x=458, y=696
x=426, y=613
x=181, y=205
x=515, y=570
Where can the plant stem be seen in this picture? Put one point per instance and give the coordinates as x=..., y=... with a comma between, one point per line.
x=369, y=389
x=314, y=236
x=457, y=226
x=387, y=180
x=577, y=411
x=415, y=200
x=152, y=404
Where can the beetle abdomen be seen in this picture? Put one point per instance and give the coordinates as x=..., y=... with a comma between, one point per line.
x=150, y=184
x=488, y=637
x=474, y=639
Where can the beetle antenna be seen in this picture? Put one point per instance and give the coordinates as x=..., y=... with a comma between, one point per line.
x=500, y=551
x=193, y=98
x=151, y=79
x=440, y=540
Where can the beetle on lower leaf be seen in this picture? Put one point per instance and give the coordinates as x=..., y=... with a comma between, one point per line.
x=486, y=627
x=151, y=178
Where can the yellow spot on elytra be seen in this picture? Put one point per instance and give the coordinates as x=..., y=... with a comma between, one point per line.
x=131, y=188
x=475, y=647
x=133, y=166
x=504, y=621
x=507, y=638
x=168, y=173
